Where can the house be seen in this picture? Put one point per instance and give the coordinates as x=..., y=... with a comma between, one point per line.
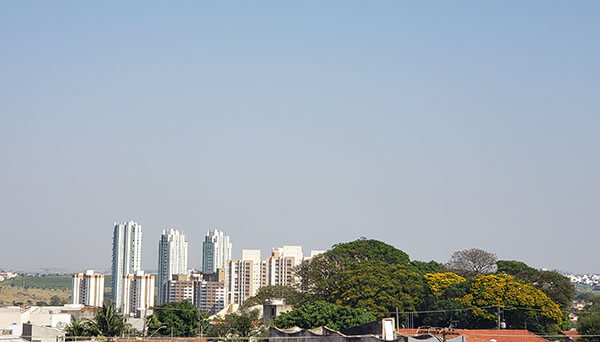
x=37, y=333
x=273, y=308
x=571, y=335
x=487, y=335
x=381, y=330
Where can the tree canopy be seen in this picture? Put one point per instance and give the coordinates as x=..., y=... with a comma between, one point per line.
x=424, y=267
x=291, y=295
x=472, y=261
x=378, y=287
x=553, y=284
x=439, y=282
x=317, y=273
x=588, y=322
x=182, y=319
x=107, y=322
x=78, y=328
x=523, y=304
x=320, y=313
x=244, y=324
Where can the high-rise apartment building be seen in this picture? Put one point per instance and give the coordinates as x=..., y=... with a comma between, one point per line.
x=216, y=250
x=88, y=288
x=126, y=257
x=138, y=293
x=179, y=288
x=281, y=265
x=243, y=277
x=172, y=258
x=207, y=295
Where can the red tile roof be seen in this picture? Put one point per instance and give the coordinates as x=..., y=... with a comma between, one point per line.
x=572, y=334
x=485, y=335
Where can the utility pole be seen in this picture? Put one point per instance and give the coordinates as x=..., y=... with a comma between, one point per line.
x=498, y=316
x=397, y=319
x=144, y=330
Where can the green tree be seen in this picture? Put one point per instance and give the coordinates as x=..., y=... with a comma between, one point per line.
x=291, y=295
x=588, y=322
x=441, y=299
x=555, y=285
x=319, y=313
x=317, y=273
x=512, y=267
x=378, y=287
x=587, y=296
x=182, y=319
x=56, y=301
x=108, y=322
x=79, y=328
x=244, y=324
x=423, y=267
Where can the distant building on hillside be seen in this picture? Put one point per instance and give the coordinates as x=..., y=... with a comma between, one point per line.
x=88, y=288
x=216, y=250
x=172, y=258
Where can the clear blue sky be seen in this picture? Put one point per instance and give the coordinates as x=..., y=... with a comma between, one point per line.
x=434, y=126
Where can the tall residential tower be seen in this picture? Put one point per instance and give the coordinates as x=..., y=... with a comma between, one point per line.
x=172, y=258
x=88, y=288
x=126, y=257
x=216, y=250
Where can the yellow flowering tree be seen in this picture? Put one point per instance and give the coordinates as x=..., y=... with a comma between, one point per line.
x=439, y=282
x=523, y=304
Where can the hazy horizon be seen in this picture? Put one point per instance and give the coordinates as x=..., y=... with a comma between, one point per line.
x=434, y=127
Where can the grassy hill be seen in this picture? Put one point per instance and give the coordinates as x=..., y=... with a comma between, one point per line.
x=64, y=283
x=10, y=295
x=39, y=290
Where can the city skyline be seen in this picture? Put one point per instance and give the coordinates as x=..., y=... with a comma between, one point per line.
x=237, y=254
x=467, y=124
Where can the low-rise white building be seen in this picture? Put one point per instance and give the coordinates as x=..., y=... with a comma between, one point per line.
x=12, y=317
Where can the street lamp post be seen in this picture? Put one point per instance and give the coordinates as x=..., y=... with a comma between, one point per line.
x=155, y=331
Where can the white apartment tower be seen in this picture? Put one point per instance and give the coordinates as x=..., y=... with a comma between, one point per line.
x=243, y=277
x=172, y=258
x=126, y=257
x=88, y=288
x=216, y=250
x=281, y=265
x=138, y=293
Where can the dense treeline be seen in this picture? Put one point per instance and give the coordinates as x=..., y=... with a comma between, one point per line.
x=468, y=292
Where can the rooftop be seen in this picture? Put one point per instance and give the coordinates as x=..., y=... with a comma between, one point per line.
x=485, y=335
